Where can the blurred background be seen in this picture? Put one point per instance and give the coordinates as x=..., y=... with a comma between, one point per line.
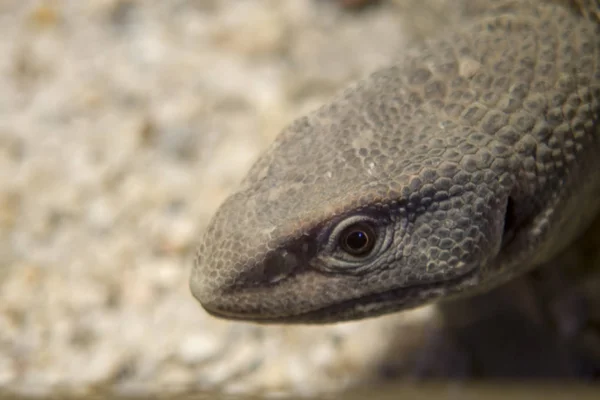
x=123, y=125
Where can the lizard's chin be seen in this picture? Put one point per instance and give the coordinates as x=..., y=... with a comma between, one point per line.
x=368, y=306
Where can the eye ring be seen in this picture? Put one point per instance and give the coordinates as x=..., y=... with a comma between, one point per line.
x=358, y=239
x=334, y=257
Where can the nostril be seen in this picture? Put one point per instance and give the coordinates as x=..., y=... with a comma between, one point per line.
x=274, y=267
x=278, y=265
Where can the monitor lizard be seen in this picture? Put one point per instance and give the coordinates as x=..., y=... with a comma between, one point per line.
x=468, y=161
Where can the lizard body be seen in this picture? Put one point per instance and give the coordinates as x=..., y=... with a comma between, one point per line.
x=470, y=160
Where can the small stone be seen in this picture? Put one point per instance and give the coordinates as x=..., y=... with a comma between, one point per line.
x=199, y=347
x=45, y=15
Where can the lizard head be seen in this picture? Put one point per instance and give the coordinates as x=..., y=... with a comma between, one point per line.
x=355, y=211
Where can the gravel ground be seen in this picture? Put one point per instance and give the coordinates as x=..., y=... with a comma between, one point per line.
x=123, y=125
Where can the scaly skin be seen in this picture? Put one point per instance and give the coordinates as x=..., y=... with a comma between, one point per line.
x=472, y=159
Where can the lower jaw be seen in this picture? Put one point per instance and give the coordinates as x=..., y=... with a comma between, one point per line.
x=369, y=306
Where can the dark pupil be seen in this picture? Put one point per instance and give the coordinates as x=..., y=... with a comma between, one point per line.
x=358, y=240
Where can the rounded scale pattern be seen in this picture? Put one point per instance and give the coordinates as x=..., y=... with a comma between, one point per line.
x=473, y=158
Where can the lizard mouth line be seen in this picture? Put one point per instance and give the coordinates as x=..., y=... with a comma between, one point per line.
x=373, y=305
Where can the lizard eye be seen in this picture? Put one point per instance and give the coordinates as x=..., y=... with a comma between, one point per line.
x=355, y=243
x=358, y=239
